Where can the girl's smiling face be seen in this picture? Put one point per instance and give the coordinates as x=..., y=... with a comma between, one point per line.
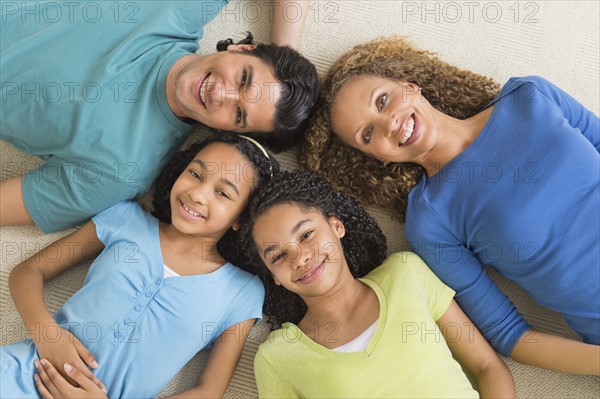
x=386, y=119
x=301, y=248
x=212, y=192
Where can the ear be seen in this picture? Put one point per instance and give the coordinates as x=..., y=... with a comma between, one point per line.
x=337, y=226
x=412, y=87
x=275, y=279
x=241, y=47
x=235, y=226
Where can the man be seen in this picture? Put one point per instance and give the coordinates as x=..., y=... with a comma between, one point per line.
x=106, y=91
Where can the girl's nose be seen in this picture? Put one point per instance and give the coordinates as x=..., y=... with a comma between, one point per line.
x=302, y=256
x=199, y=194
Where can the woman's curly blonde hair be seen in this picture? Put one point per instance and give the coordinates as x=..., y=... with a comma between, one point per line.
x=453, y=91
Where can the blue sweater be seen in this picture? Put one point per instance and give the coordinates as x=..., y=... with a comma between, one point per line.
x=525, y=199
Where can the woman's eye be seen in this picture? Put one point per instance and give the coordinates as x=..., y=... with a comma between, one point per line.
x=367, y=135
x=381, y=102
x=238, y=116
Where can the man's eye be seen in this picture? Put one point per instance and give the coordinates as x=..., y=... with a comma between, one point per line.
x=381, y=102
x=367, y=135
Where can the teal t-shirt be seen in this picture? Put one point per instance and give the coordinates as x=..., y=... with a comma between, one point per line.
x=83, y=86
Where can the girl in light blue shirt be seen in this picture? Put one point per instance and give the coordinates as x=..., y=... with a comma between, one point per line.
x=160, y=290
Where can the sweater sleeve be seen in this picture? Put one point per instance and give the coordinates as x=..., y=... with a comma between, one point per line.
x=270, y=383
x=576, y=114
x=452, y=261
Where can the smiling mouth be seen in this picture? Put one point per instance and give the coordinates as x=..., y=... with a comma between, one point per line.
x=311, y=274
x=409, y=131
x=191, y=211
x=202, y=90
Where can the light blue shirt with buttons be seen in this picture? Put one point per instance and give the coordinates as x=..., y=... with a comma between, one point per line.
x=141, y=328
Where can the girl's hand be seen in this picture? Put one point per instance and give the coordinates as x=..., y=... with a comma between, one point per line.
x=52, y=385
x=65, y=348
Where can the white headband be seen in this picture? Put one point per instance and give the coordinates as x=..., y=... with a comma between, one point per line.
x=262, y=149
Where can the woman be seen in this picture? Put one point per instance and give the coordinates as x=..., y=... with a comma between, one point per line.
x=481, y=176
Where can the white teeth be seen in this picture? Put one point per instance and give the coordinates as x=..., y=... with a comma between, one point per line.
x=409, y=131
x=308, y=275
x=188, y=210
x=313, y=271
x=203, y=90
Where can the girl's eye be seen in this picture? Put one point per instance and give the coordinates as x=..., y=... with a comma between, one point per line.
x=238, y=116
x=381, y=102
x=223, y=194
x=306, y=235
x=195, y=175
x=277, y=258
x=367, y=135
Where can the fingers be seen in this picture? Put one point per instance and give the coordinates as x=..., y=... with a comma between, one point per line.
x=42, y=388
x=85, y=354
x=88, y=358
x=81, y=367
x=83, y=381
x=45, y=369
x=51, y=384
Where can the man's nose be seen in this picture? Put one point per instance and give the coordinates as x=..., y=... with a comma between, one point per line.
x=226, y=93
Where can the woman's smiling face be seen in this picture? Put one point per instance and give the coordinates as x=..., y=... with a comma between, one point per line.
x=386, y=119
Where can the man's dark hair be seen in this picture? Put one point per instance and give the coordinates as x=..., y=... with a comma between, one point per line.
x=299, y=92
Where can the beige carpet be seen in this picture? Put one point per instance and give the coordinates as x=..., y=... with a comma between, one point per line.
x=555, y=39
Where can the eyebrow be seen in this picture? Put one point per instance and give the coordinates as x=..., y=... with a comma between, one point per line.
x=293, y=231
x=249, y=80
x=224, y=181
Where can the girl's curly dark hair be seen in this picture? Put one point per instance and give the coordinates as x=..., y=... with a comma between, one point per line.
x=453, y=91
x=264, y=167
x=364, y=244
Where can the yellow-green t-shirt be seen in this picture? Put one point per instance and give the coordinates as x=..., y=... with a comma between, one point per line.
x=406, y=357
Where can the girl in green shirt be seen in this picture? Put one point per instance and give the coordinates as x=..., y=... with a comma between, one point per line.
x=350, y=326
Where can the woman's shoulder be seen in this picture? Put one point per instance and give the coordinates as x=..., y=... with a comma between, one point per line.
x=529, y=83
